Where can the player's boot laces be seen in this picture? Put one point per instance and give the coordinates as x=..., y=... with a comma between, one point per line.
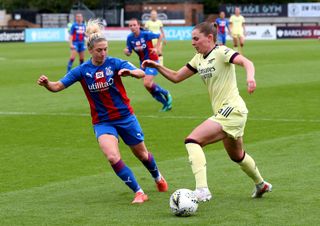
x=162, y=185
x=203, y=194
x=140, y=197
x=260, y=189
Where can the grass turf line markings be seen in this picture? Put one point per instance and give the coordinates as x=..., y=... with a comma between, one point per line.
x=164, y=163
x=156, y=116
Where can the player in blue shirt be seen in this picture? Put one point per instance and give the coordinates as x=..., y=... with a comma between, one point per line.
x=223, y=24
x=111, y=112
x=77, y=40
x=140, y=41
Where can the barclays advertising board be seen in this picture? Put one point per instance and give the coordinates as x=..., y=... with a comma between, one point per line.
x=178, y=33
x=46, y=35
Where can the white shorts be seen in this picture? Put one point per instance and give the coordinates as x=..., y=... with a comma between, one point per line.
x=232, y=120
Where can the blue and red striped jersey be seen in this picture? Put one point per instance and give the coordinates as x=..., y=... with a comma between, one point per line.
x=103, y=88
x=77, y=31
x=222, y=24
x=142, y=45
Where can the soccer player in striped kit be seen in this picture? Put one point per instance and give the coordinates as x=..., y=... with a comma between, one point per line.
x=223, y=25
x=111, y=112
x=215, y=66
x=77, y=40
x=140, y=41
x=156, y=26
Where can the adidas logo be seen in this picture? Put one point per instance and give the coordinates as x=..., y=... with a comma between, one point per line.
x=266, y=33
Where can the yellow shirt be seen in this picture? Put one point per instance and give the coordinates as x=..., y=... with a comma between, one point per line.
x=237, y=24
x=154, y=26
x=219, y=75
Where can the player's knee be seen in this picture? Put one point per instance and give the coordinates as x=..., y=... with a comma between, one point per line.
x=148, y=84
x=238, y=157
x=113, y=158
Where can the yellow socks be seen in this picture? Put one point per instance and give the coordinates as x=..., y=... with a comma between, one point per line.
x=249, y=167
x=161, y=60
x=198, y=164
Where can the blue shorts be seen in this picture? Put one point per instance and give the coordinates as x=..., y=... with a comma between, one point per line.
x=128, y=129
x=222, y=39
x=150, y=71
x=79, y=46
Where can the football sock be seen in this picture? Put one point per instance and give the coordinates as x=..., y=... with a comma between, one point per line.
x=126, y=175
x=151, y=165
x=198, y=163
x=161, y=90
x=161, y=59
x=249, y=167
x=241, y=49
x=70, y=64
x=235, y=47
x=157, y=92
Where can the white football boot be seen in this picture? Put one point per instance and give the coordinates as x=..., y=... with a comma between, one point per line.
x=203, y=194
x=260, y=189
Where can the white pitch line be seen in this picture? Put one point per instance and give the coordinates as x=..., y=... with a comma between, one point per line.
x=156, y=116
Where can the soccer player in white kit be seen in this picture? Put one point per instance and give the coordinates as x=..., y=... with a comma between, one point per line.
x=215, y=66
x=156, y=26
x=237, y=28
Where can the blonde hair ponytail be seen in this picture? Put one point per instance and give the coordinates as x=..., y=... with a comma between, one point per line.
x=94, y=32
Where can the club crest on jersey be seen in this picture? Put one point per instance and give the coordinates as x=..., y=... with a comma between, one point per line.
x=99, y=74
x=109, y=72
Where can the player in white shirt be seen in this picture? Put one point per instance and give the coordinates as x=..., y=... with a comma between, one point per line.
x=216, y=67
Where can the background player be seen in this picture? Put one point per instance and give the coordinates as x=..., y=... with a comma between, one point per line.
x=77, y=40
x=155, y=25
x=140, y=41
x=223, y=24
x=237, y=27
x=215, y=65
x=112, y=115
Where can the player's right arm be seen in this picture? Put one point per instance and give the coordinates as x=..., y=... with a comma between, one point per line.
x=128, y=50
x=70, y=78
x=51, y=86
x=174, y=76
x=243, y=26
x=71, y=37
x=231, y=24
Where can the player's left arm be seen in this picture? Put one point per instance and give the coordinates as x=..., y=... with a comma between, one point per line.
x=136, y=73
x=174, y=76
x=250, y=70
x=244, y=27
x=228, y=27
x=158, y=45
x=163, y=36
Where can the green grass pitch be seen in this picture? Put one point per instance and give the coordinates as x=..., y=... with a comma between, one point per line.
x=53, y=173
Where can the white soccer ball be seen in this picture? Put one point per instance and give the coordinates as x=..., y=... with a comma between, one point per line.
x=183, y=202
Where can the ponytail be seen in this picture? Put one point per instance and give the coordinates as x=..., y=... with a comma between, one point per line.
x=208, y=28
x=94, y=32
